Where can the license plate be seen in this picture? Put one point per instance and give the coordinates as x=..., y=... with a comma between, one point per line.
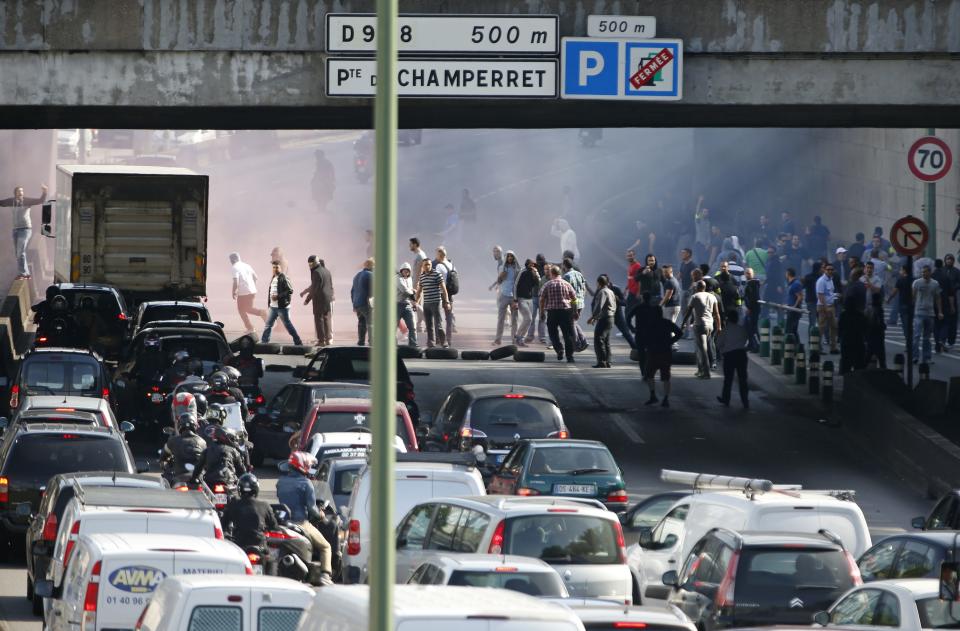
x=575, y=489
x=156, y=397
x=220, y=499
x=258, y=569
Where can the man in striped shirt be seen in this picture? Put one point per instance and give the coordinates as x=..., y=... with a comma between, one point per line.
x=433, y=291
x=556, y=300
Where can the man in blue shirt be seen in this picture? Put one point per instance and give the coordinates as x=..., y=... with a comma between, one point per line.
x=794, y=299
x=296, y=491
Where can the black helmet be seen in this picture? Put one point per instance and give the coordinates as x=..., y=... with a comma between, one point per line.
x=59, y=303
x=218, y=380
x=233, y=375
x=248, y=485
x=216, y=413
x=187, y=421
x=201, y=402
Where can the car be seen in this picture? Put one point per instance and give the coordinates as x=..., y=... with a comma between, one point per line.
x=352, y=364
x=417, y=478
x=910, y=555
x=494, y=417
x=583, y=468
x=732, y=579
x=122, y=138
x=58, y=371
x=104, y=328
x=944, y=516
x=346, y=608
x=111, y=577
x=897, y=605
x=42, y=531
x=578, y=537
x=169, y=310
x=265, y=603
x=38, y=413
x=503, y=571
x=32, y=453
x=351, y=415
x=335, y=478
x=644, y=515
x=604, y=617
x=272, y=425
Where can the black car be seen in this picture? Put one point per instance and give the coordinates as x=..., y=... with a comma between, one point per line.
x=42, y=531
x=944, y=516
x=169, y=310
x=32, y=453
x=96, y=318
x=747, y=579
x=352, y=364
x=273, y=425
x=60, y=371
x=495, y=417
x=646, y=514
x=910, y=555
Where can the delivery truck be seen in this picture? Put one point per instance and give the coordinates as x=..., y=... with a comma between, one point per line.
x=141, y=229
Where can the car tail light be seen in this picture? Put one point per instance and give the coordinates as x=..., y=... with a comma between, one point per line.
x=71, y=541
x=562, y=510
x=50, y=527
x=504, y=568
x=155, y=388
x=514, y=396
x=621, y=543
x=527, y=492
x=276, y=534
x=618, y=496
x=854, y=568
x=259, y=400
x=254, y=558
x=219, y=488
x=248, y=571
x=105, y=394
x=122, y=316
x=90, y=599
x=4, y=490
x=496, y=542
x=42, y=339
x=725, y=594
x=217, y=532
x=14, y=396
x=353, y=537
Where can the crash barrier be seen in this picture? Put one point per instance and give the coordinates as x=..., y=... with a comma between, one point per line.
x=16, y=327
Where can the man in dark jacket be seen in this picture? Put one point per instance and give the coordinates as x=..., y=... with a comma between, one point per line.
x=279, y=296
x=660, y=336
x=640, y=319
x=247, y=518
x=751, y=299
x=361, y=295
x=183, y=449
x=320, y=295
x=220, y=462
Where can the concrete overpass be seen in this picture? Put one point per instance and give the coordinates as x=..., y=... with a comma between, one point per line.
x=260, y=64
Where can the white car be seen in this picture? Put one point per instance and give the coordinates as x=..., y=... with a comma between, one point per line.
x=235, y=602
x=345, y=444
x=600, y=616
x=905, y=604
x=506, y=571
x=97, y=406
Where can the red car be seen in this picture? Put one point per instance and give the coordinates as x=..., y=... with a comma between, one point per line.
x=351, y=415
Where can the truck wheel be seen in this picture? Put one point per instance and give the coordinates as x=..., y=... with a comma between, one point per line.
x=503, y=352
x=474, y=355
x=529, y=356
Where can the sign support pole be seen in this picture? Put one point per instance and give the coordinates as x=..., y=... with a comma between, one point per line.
x=909, y=340
x=930, y=206
x=383, y=350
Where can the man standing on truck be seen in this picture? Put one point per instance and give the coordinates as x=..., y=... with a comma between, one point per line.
x=22, y=226
x=245, y=291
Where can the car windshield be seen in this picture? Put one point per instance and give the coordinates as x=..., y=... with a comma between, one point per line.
x=531, y=583
x=42, y=456
x=203, y=348
x=171, y=312
x=104, y=302
x=529, y=417
x=55, y=375
x=572, y=460
x=342, y=392
x=351, y=421
x=562, y=538
x=762, y=570
x=342, y=367
x=938, y=614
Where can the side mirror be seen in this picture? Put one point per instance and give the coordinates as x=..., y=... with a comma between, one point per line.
x=127, y=426
x=169, y=431
x=918, y=522
x=218, y=323
x=23, y=509
x=43, y=589
x=300, y=372
x=646, y=539
x=822, y=618
x=670, y=578
x=950, y=581
x=401, y=543
x=143, y=466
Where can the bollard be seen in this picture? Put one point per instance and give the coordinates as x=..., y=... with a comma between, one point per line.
x=800, y=375
x=765, y=337
x=899, y=361
x=813, y=339
x=789, y=353
x=813, y=379
x=924, y=370
x=826, y=373
x=776, y=346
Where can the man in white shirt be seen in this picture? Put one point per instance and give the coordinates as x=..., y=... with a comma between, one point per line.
x=568, y=238
x=245, y=291
x=826, y=308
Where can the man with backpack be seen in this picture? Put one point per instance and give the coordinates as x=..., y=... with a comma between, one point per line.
x=451, y=280
x=280, y=294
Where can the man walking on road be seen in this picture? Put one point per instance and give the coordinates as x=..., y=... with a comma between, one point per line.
x=319, y=294
x=281, y=291
x=433, y=291
x=826, y=308
x=556, y=306
x=704, y=313
x=579, y=284
x=506, y=298
x=361, y=294
x=22, y=226
x=245, y=291
x=419, y=256
x=602, y=317
x=662, y=334
x=525, y=292
x=448, y=272
x=405, y=295
x=732, y=344
x=927, y=309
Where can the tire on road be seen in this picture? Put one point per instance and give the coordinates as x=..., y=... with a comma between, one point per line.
x=267, y=349
x=503, y=352
x=529, y=356
x=294, y=349
x=409, y=352
x=471, y=355
x=442, y=353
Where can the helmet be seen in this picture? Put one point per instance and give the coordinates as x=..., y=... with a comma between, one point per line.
x=181, y=356
x=187, y=421
x=302, y=462
x=233, y=375
x=218, y=380
x=59, y=303
x=201, y=402
x=248, y=485
x=246, y=343
x=216, y=413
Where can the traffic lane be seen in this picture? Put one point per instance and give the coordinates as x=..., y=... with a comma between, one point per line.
x=15, y=612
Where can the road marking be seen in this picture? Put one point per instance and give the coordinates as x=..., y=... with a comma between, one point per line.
x=625, y=427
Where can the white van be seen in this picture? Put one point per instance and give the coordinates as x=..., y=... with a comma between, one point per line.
x=438, y=608
x=419, y=477
x=234, y=602
x=130, y=510
x=757, y=506
x=112, y=577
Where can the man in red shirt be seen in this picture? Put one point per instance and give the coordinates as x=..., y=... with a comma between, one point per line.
x=633, y=285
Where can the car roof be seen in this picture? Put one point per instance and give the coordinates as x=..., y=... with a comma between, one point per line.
x=87, y=287
x=109, y=543
x=349, y=405
x=511, y=504
x=193, y=304
x=52, y=402
x=179, y=328
x=50, y=350
x=483, y=390
x=564, y=442
x=917, y=587
x=772, y=538
x=183, y=583
x=128, y=497
x=108, y=478
x=945, y=538
x=772, y=498
x=332, y=384
x=480, y=562
x=616, y=612
x=347, y=463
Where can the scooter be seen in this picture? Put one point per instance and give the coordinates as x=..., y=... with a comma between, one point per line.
x=289, y=552
x=362, y=168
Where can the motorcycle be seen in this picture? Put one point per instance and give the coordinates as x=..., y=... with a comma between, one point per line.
x=289, y=553
x=589, y=137
x=362, y=168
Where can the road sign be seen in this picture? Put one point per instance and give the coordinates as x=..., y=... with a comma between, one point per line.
x=622, y=69
x=455, y=34
x=909, y=236
x=635, y=26
x=929, y=159
x=448, y=78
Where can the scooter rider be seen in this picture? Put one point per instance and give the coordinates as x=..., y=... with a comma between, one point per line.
x=296, y=491
x=183, y=449
x=246, y=363
x=220, y=462
x=178, y=370
x=221, y=392
x=248, y=517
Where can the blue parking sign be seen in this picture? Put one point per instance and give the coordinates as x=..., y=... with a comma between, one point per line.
x=591, y=67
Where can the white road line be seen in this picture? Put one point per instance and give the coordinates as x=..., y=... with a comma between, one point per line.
x=625, y=427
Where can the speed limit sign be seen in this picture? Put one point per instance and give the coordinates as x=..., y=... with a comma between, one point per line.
x=929, y=159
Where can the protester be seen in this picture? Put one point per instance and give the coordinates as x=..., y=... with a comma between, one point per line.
x=506, y=298
x=876, y=334
x=903, y=293
x=732, y=344
x=795, y=297
x=704, y=313
x=948, y=291
x=773, y=288
x=952, y=274
x=670, y=301
x=659, y=338
x=451, y=282
x=525, y=291
x=619, y=318
x=579, y=284
x=320, y=295
x=751, y=300
x=361, y=295
x=281, y=291
x=568, y=238
x=432, y=291
x=826, y=309
x=405, y=296
x=927, y=309
x=556, y=307
x=245, y=291
x=602, y=316
x=852, y=328
x=538, y=328
x=419, y=256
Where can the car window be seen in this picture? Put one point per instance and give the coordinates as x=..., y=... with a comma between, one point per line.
x=943, y=516
x=763, y=570
x=571, y=460
x=351, y=421
x=711, y=564
x=668, y=531
x=888, y=611
x=917, y=560
x=444, y=527
x=291, y=406
x=54, y=376
x=344, y=479
x=41, y=456
x=157, y=313
x=877, y=562
x=419, y=575
x=938, y=614
x=473, y=524
x=276, y=619
x=514, y=459
x=528, y=416
x=562, y=538
x=649, y=515
x=413, y=531
x=531, y=583
x=216, y=618
x=279, y=400
x=857, y=608
x=345, y=392
x=455, y=409
x=692, y=561
x=323, y=472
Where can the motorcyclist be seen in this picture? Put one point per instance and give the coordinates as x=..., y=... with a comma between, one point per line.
x=296, y=491
x=178, y=370
x=59, y=327
x=220, y=462
x=249, y=366
x=221, y=392
x=183, y=449
x=247, y=516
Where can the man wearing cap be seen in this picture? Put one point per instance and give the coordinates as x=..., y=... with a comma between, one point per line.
x=840, y=265
x=320, y=295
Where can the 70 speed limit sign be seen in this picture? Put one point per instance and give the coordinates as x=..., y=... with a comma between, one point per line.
x=929, y=159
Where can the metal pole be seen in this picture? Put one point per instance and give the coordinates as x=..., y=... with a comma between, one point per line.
x=383, y=347
x=930, y=206
x=909, y=340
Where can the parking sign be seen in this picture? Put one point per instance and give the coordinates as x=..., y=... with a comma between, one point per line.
x=622, y=69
